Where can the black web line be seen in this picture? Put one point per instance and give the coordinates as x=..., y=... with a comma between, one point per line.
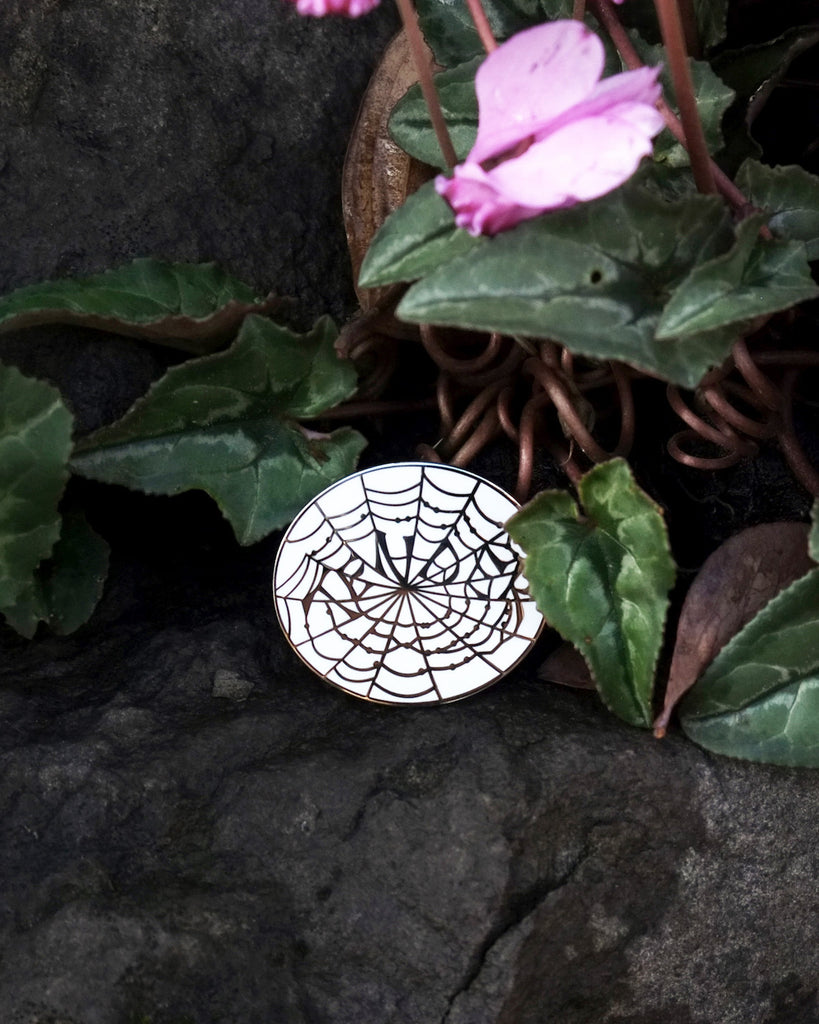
x=335, y=628
x=510, y=634
x=430, y=589
x=475, y=650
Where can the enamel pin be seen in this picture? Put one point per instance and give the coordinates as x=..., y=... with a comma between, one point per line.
x=400, y=585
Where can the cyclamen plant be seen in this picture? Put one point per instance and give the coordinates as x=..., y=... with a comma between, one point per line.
x=550, y=134
x=574, y=235
x=558, y=279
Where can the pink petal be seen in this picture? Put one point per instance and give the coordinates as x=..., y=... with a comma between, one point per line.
x=581, y=161
x=478, y=206
x=532, y=79
x=347, y=8
x=639, y=87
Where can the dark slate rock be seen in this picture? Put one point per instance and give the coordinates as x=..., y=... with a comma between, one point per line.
x=270, y=850
x=181, y=130
x=192, y=827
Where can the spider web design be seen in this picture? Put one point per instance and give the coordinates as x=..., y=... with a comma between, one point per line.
x=399, y=584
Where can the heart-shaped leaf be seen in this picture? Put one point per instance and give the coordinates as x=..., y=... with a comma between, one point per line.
x=228, y=424
x=35, y=442
x=195, y=307
x=712, y=95
x=790, y=198
x=602, y=579
x=65, y=589
x=755, y=277
x=595, y=277
x=709, y=17
x=734, y=583
x=754, y=70
x=411, y=126
x=451, y=34
x=759, y=698
x=420, y=236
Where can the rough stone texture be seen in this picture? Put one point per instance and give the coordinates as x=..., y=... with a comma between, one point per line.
x=193, y=828
x=179, y=129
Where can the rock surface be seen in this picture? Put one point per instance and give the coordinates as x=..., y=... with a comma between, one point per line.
x=194, y=830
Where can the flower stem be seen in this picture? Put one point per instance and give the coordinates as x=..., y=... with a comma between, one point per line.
x=690, y=28
x=631, y=59
x=478, y=15
x=424, y=69
x=579, y=10
x=671, y=27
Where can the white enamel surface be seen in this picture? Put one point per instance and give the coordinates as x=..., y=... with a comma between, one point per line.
x=399, y=584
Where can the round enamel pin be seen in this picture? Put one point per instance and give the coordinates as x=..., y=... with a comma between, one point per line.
x=400, y=585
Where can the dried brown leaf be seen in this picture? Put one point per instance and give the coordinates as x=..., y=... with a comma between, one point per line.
x=738, y=579
x=565, y=665
x=378, y=174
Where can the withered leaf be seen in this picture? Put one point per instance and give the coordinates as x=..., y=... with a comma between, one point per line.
x=565, y=665
x=378, y=174
x=734, y=583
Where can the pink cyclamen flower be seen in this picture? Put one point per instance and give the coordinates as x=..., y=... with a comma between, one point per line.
x=550, y=132
x=348, y=8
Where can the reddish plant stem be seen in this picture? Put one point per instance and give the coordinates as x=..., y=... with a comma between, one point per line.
x=627, y=418
x=484, y=29
x=789, y=443
x=505, y=415
x=526, y=442
x=454, y=364
x=443, y=396
x=374, y=408
x=766, y=392
x=721, y=404
x=676, y=452
x=631, y=59
x=579, y=10
x=470, y=417
x=427, y=453
x=719, y=433
x=422, y=66
x=480, y=437
x=690, y=28
x=559, y=394
x=673, y=35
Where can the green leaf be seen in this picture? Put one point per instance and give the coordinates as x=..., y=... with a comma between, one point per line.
x=451, y=34
x=418, y=237
x=411, y=126
x=35, y=442
x=188, y=306
x=813, y=536
x=754, y=70
x=64, y=590
x=595, y=277
x=711, y=17
x=754, y=278
x=790, y=197
x=602, y=580
x=713, y=98
x=227, y=424
x=759, y=698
